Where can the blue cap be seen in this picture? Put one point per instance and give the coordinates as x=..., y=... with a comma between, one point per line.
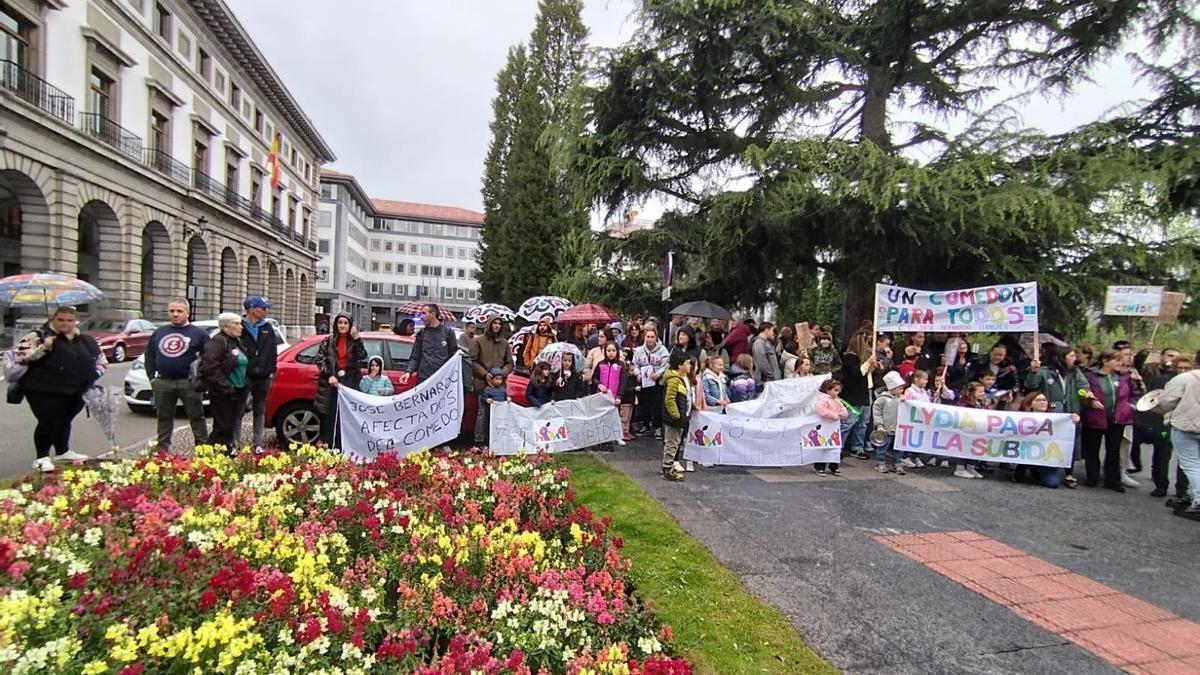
x=256, y=302
x=497, y=371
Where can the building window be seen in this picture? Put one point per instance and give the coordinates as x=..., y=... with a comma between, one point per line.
x=412, y=269
x=374, y=289
x=14, y=39
x=100, y=90
x=387, y=246
x=258, y=121
x=448, y=293
x=462, y=273
x=323, y=246
x=326, y=219
x=185, y=45
x=374, y=265
x=275, y=202
x=460, y=293
x=293, y=203
x=160, y=132
x=232, y=162
x=473, y=294
x=374, y=244
x=412, y=248
x=162, y=22
x=256, y=182
x=204, y=65
x=449, y=251
x=200, y=152
x=235, y=97
x=323, y=272
x=387, y=268
x=326, y=191
x=219, y=82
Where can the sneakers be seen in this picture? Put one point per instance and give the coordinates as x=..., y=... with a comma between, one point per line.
x=621, y=441
x=628, y=437
x=677, y=467
x=1128, y=480
x=861, y=454
x=961, y=472
x=820, y=472
x=71, y=456
x=689, y=466
x=945, y=464
x=835, y=471
x=881, y=467
x=672, y=475
x=899, y=469
x=906, y=462
x=974, y=473
x=658, y=434
x=44, y=464
x=917, y=463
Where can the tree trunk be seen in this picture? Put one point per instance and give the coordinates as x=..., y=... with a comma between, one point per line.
x=860, y=304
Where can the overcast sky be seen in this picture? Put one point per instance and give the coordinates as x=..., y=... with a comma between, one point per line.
x=402, y=89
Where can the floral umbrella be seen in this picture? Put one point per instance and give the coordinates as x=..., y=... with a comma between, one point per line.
x=46, y=290
x=102, y=403
x=543, y=305
x=552, y=354
x=589, y=313
x=480, y=313
x=417, y=308
x=517, y=341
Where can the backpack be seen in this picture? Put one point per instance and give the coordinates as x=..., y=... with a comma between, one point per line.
x=194, y=377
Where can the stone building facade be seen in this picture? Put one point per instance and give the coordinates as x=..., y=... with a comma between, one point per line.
x=134, y=143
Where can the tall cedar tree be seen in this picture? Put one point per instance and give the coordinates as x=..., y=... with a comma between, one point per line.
x=531, y=200
x=806, y=102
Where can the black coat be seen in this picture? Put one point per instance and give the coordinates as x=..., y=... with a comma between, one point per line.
x=69, y=367
x=217, y=361
x=356, y=356
x=261, y=352
x=572, y=388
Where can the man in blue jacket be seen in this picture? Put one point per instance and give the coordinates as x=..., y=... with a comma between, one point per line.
x=261, y=348
x=169, y=357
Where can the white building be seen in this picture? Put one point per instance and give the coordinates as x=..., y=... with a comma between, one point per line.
x=134, y=142
x=379, y=254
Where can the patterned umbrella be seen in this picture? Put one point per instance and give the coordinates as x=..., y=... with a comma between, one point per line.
x=517, y=341
x=552, y=354
x=102, y=403
x=589, y=313
x=418, y=308
x=542, y=305
x=480, y=313
x=46, y=290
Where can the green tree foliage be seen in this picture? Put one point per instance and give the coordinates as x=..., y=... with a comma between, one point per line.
x=531, y=200
x=809, y=109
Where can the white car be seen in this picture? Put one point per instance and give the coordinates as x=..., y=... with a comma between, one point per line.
x=137, y=386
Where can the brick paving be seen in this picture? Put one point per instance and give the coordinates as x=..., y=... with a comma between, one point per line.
x=1131, y=634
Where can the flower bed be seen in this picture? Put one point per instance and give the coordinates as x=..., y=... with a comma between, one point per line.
x=303, y=560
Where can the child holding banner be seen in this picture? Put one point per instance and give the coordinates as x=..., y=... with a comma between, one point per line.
x=973, y=396
x=884, y=413
x=914, y=390
x=829, y=407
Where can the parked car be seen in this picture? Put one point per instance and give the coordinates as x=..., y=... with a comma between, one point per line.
x=119, y=339
x=290, y=402
x=137, y=386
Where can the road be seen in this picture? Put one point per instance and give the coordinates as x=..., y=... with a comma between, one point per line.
x=16, y=426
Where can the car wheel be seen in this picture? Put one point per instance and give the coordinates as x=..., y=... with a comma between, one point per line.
x=119, y=354
x=299, y=423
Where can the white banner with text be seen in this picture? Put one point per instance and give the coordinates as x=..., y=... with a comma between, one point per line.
x=972, y=434
x=1004, y=308
x=425, y=416
x=1133, y=300
x=738, y=440
x=554, y=427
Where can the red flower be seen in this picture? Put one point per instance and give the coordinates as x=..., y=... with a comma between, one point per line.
x=132, y=669
x=207, y=599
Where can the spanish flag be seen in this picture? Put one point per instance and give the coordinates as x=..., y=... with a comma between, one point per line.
x=273, y=160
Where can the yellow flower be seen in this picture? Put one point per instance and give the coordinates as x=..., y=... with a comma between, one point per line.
x=95, y=668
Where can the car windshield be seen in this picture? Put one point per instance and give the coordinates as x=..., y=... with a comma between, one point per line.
x=102, y=325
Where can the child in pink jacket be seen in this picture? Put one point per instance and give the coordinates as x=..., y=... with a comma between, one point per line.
x=829, y=407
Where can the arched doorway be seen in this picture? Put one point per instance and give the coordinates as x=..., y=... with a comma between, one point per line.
x=23, y=211
x=198, y=276
x=254, y=277
x=156, y=274
x=98, y=249
x=291, y=298
x=306, y=302
x=231, y=288
x=275, y=288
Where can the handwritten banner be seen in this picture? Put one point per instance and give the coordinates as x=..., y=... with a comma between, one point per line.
x=554, y=427
x=427, y=415
x=739, y=440
x=793, y=397
x=1042, y=439
x=1133, y=300
x=1005, y=308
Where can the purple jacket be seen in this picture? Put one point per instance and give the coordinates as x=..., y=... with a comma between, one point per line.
x=609, y=374
x=1128, y=391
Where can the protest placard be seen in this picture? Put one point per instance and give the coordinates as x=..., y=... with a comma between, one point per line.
x=1172, y=303
x=1133, y=300
x=738, y=440
x=1004, y=308
x=427, y=415
x=1042, y=439
x=554, y=427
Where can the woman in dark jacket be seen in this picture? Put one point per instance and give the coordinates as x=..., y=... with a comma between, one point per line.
x=957, y=371
x=1106, y=412
x=62, y=364
x=223, y=369
x=340, y=359
x=539, y=387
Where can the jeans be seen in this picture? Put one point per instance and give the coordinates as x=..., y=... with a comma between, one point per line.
x=167, y=393
x=257, y=390
x=887, y=450
x=1112, y=454
x=1187, y=449
x=482, y=418
x=226, y=409
x=54, y=413
x=861, y=429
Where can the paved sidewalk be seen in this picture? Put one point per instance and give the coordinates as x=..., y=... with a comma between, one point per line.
x=817, y=549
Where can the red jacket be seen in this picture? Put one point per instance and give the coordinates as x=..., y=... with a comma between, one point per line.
x=738, y=341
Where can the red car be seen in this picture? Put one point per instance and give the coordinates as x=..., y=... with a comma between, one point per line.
x=119, y=339
x=290, y=402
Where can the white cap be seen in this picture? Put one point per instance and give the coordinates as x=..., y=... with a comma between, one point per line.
x=893, y=380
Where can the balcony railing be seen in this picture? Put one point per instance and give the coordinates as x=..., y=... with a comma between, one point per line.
x=36, y=91
x=107, y=131
x=164, y=163
x=208, y=185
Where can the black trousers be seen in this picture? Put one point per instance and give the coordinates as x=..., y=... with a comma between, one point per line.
x=226, y=409
x=331, y=431
x=1112, y=454
x=650, y=406
x=54, y=413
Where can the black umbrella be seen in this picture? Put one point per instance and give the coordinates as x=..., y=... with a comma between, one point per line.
x=702, y=309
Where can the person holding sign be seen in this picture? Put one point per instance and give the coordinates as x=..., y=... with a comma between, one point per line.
x=339, y=362
x=1046, y=476
x=1060, y=380
x=1106, y=413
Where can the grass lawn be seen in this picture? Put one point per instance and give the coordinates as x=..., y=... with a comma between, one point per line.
x=718, y=624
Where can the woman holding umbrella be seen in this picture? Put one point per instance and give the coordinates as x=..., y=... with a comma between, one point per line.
x=62, y=365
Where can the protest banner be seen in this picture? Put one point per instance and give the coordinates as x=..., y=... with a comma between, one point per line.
x=793, y=397
x=1133, y=300
x=1004, y=308
x=1172, y=303
x=738, y=440
x=554, y=427
x=427, y=415
x=972, y=434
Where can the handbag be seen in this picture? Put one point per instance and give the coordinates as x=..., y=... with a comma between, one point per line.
x=16, y=393
x=13, y=370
